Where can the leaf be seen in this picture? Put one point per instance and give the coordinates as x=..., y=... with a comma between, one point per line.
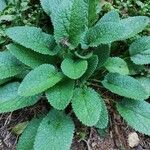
x=3, y=81
x=32, y=38
x=107, y=32
x=69, y=21
x=125, y=86
x=86, y=104
x=92, y=65
x=103, y=53
x=145, y=82
x=60, y=95
x=9, y=65
x=26, y=141
x=55, y=132
x=136, y=113
x=28, y=57
x=140, y=51
x=103, y=120
x=74, y=69
x=117, y=65
x=2, y=5
x=111, y=16
x=39, y=80
x=10, y=100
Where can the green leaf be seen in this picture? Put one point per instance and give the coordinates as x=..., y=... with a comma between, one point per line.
x=55, y=132
x=69, y=21
x=86, y=104
x=9, y=65
x=125, y=86
x=107, y=32
x=103, y=120
x=136, y=113
x=111, y=16
x=60, y=95
x=103, y=53
x=3, y=81
x=10, y=100
x=92, y=65
x=145, y=82
x=28, y=57
x=92, y=11
x=2, y=5
x=140, y=51
x=74, y=69
x=117, y=65
x=39, y=80
x=33, y=38
x=26, y=141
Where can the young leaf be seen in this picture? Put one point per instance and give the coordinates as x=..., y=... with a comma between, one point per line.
x=9, y=65
x=140, y=51
x=145, y=81
x=92, y=65
x=69, y=20
x=125, y=86
x=33, y=38
x=74, y=69
x=28, y=57
x=60, y=95
x=10, y=100
x=39, y=80
x=136, y=113
x=107, y=32
x=116, y=65
x=55, y=132
x=103, y=53
x=86, y=104
x=103, y=120
x=26, y=141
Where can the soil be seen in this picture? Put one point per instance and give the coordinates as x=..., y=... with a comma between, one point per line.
x=113, y=138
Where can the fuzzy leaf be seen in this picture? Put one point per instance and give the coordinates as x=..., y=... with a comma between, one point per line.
x=9, y=65
x=107, y=32
x=92, y=65
x=55, y=132
x=136, y=113
x=61, y=94
x=28, y=57
x=86, y=104
x=74, y=69
x=33, y=38
x=125, y=86
x=2, y=5
x=103, y=120
x=116, y=65
x=140, y=51
x=39, y=80
x=69, y=20
x=26, y=141
x=10, y=100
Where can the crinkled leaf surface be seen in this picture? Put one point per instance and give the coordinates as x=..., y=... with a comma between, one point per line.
x=140, y=51
x=103, y=120
x=26, y=141
x=39, y=80
x=107, y=32
x=74, y=69
x=86, y=104
x=29, y=57
x=117, y=65
x=125, y=86
x=136, y=113
x=55, y=132
x=69, y=20
x=60, y=95
x=9, y=65
x=33, y=38
x=10, y=100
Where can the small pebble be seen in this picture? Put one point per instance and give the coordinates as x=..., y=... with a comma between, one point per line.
x=133, y=139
